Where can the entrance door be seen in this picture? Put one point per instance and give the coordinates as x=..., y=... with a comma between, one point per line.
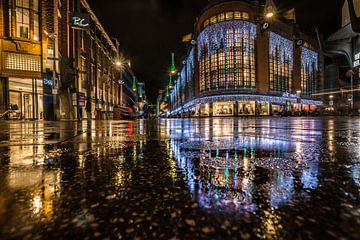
x=28, y=106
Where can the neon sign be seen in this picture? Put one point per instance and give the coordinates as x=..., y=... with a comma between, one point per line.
x=80, y=20
x=357, y=60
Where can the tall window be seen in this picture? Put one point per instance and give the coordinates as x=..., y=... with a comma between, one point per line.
x=280, y=63
x=22, y=9
x=227, y=56
x=26, y=19
x=35, y=12
x=309, y=71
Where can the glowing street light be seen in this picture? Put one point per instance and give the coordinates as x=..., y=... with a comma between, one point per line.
x=270, y=9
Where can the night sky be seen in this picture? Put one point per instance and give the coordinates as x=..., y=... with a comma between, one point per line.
x=149, y=30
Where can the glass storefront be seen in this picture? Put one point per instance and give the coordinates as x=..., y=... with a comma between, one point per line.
x=263, y=108
x=205, y=110
x=246, y=108
x=223, y=109
x=277, y=109
x=27, y=95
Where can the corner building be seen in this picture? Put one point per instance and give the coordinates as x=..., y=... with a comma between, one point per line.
x=236, y=66
x=21, y=82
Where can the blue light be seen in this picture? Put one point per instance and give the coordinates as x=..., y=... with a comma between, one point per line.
x=282, y=47
x=242, y=97
x=215, y=36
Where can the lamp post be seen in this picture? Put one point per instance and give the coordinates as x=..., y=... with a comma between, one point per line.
x=52, y=37
x=351, y=74
x=298, y=94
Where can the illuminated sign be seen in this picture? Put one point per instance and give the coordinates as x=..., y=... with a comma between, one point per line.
x=80, y=20
x=357, y=60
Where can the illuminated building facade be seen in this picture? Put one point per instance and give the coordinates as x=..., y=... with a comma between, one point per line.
x=240, y=64
x=58, y=62
x=21, y=63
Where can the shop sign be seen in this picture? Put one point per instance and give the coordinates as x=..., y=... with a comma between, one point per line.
x=48, y=82
x=289, y=95
x=80, y=20
x=74, y=99
x=81, y=98
x=357, y=60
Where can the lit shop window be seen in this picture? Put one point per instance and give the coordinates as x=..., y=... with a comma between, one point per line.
x=226, y=16
x=22, y=62
x=227, y=56
x=246, y=108
x=309, y=71
x=280, y=63
x=223, y=109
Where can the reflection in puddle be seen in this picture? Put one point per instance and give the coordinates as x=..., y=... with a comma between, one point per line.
x=244, y=170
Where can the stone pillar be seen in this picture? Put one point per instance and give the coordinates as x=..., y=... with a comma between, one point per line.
x=262, y=60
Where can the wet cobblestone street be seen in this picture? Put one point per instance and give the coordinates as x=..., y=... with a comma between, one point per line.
x=231, y=178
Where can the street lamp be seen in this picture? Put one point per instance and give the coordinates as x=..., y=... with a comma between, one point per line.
x=270, y=9
x=351, y=74
x=52, y=37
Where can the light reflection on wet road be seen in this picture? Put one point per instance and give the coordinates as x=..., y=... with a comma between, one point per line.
x=276, y=178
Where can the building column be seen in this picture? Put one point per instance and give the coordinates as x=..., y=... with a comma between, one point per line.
x=236, y=108
x=262, y=60
x=296, y=84
x=211, y=109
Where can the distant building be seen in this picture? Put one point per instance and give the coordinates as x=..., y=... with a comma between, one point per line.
x=241, y=64
x=342, y=84
x=58, y=62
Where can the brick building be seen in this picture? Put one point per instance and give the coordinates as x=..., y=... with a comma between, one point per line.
x=54, y=69
x=21, y=82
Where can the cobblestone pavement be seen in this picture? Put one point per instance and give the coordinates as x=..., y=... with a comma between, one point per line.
x=231, y=178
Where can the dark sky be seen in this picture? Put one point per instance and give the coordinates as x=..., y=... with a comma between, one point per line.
x=149, y=30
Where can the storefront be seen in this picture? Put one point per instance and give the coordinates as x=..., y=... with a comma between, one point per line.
x=2, y=95
x=223, y=109
x=205, y=110
x=247, y=105
x=27, y=95
x=246, y=108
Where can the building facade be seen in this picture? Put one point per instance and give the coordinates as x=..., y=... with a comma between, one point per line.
x=240, y=64
x=21, y=84
x=58, y=62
